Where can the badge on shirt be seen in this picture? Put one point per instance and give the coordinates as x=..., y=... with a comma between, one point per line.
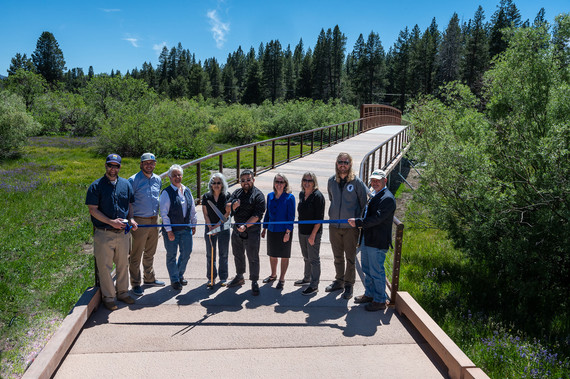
x=350, y=187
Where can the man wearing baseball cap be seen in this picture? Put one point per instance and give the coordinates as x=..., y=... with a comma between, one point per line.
x=376, y=239
x=146, y=187
x=110, y=199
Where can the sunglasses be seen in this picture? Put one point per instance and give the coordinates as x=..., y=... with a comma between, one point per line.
x=279, y=182
x=343, y=162
x=115, y=166
x=245, y=180
x=308, y=180
x=216, y=183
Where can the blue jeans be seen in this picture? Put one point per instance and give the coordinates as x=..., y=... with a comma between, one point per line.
x=222, y=240
x=374, y=274
x=182, y=240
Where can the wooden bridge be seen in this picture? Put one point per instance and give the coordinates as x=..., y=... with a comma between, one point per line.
x=280, y=334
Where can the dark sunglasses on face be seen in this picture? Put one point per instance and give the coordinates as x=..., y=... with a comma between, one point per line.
x=216, y=183
x=308, y=180
x=279, y=182
x=245, y=180
x=115, y=166
x=343, y=162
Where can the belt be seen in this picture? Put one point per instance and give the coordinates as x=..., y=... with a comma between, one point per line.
x=112, y=230
x=146, y=218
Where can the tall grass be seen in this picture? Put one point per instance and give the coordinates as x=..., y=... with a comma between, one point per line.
x=450, y=288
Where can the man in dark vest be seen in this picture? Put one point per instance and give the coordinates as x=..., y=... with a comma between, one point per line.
x=177, y=207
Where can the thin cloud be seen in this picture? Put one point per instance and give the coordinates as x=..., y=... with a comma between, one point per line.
x=133, y=41
x=106, y=10
x=219, y=28
x=158, y=47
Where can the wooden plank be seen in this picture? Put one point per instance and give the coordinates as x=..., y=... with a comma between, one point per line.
x=453, y=357
x=52, y=354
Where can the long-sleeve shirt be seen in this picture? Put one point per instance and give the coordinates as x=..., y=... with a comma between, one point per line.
x=281, y=209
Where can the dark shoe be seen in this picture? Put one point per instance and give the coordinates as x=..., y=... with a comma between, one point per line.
x=374, y=306
x=156, y=283
x=126, y=299
x=269, y=279
x=209, y=285
x=137, y=290
x=183, y=281
x=362, y=299
x=223, y=283
x=254, y=289
x=302, y=282
x=309, y=291
x=280, y=285
x=110, y=305
x=347, y=294
x=237, y=281
x=177, y=286
x=334, y=286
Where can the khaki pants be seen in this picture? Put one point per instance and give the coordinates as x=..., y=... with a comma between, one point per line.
x=143, y=248
x=343, y=244
x=112, y=247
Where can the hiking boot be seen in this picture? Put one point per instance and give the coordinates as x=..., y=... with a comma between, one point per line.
x=375, y=306
x=362, y=299
x=334, y=286
x=347, y=294
x=237, y=281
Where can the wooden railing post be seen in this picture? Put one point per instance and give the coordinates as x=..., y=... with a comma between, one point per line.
x=397, y=260
x=255, y=160
x=198, y=183
x=238, y=165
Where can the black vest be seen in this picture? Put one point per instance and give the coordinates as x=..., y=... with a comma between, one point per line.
x=175, y=210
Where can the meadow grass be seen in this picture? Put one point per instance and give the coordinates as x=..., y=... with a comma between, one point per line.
x=448, y=286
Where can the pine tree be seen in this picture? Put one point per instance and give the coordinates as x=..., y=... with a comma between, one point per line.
x=304, y=84
x=288, y=75
x=322, y=66
x=48, y=58
x=252, y=92
x=450, y=52
x=415, y=67
x=231, y=93
x=272, y=70
x=212, y=68
x=338, y=49
x=20, y=61
x=506, y=16
x=476, y=58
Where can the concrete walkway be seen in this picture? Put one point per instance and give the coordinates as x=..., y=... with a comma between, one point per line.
x=222, y=332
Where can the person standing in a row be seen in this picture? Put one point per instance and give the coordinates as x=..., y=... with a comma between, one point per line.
x=280, y=207
x=248, y=207
x=348, y=196
x=177, y=207
x=311, y=207
x=376, y=225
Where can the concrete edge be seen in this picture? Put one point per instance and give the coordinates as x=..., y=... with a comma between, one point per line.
x=49, y=358
x=459, y=366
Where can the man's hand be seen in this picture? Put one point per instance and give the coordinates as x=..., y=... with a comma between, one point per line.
x=134, y=225
x=351, y=222
x=170, y=235
x=118, y=223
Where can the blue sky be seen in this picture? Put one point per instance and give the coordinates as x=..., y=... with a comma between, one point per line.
x=124, y=34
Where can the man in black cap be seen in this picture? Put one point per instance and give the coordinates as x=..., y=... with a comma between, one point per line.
x=110, y=199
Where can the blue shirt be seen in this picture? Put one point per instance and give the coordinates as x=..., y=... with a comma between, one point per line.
x=282, y=209
x=165, y=206
x=112, y=199
x=147, y=194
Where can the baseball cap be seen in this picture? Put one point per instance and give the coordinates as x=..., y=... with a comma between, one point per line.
x=378, y=174
x=148, y=157
x=113, y=158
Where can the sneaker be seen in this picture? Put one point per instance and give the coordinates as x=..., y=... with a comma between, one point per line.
x=237, y=281
x=156, y=283
x=334, y=286
x=347, y=294
x=223, y=283
x=309, y=291
x=362, y=299
x=254, y=288
x=137, y=290
x=302, y=282
x=177, y=286
x=110, y=305
x=126, y=299
x=374, y=306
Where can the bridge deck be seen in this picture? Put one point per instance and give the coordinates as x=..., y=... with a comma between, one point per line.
x=229, y=332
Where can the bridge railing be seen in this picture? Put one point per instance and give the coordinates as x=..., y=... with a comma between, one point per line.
x=265, y=155
x=385, y=157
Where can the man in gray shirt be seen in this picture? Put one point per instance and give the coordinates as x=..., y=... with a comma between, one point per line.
x=348, y=197
x=146, y=187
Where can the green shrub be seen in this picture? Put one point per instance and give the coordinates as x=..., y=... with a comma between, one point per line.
x=64, y=113
x=237, y=125
x=15, y=124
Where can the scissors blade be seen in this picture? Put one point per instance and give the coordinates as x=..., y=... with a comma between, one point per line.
x=217, y=211
x=225, y=226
